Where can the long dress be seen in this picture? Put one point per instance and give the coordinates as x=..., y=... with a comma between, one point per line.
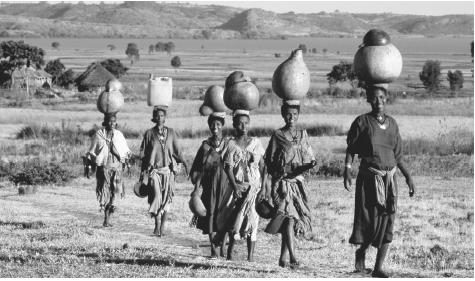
x=245, y=167
x=208, y=169
x=160, y=154
x=289, y=196
x=379, y=148
x=109, y=152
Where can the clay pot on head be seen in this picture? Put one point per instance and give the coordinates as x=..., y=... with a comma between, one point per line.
x=110, y=102
x=205, y=110
x=240, y=92
x=291, y=79
x=214, y=99
x=379, y=63
x=376, y=37
x=113, y=85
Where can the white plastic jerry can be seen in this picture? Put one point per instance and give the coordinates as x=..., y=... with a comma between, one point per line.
x=159, y=91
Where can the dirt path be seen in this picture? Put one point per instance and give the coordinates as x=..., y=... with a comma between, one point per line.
x=327, y=255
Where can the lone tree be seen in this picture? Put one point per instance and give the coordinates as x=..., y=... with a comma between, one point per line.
x=151, y=48
x=55, y=68
x=17, y=54
x=55, y=45
x=115, y=67
x=111, y=47
x=455, y=79
x=176, y=62
x=132, y=52
x=324, y=51
x=342, y=72
x=169, y=47
x=66, y=79
x=303, y=47
x=430, y=75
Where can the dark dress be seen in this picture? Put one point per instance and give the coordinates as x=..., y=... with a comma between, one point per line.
x=379, y=149
x=160, y=154
x=216, y=194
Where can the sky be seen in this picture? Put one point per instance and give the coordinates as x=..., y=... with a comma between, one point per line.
x=433, y=8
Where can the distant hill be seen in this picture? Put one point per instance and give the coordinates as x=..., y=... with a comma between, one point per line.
x=183, y=20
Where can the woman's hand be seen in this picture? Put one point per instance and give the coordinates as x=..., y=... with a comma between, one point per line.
x=410, y=184
x=347, y=178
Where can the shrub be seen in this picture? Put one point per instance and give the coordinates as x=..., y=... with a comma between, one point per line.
x=303, y=47
x=342, y=72
x=430, y=75
x=38, y=173
x=455, y=79
x=176, y=62
x=115, y=67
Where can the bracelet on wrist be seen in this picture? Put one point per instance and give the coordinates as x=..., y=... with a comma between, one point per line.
x=348, y=165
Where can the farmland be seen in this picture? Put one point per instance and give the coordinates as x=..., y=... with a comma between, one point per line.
x=57, y=231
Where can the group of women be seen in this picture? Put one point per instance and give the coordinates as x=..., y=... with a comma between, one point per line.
x=233, y=173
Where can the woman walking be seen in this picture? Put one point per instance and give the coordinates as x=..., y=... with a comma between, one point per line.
x=244, y=166
x=375, y=138
x=160, y=154
x=287, y=156
x=208, y=173
x=109, y=152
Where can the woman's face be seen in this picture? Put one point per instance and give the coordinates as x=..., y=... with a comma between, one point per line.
x=377, y=100
x=216, y=128
x=291, y=115
x=160, y=118
x=111, y=123
x=241, y=124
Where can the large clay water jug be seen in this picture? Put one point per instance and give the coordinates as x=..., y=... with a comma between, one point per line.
x=291, y=79
x=196, y=205
x=377, y=60
x=159, y=91
x=205, y=110
x=214, y=98
x=110, y=102
x=240, y=92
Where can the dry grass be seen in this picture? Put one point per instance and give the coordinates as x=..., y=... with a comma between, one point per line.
x=70, y=233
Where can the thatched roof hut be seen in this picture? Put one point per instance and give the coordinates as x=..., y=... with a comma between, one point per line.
x=94, y=78
x=31, y=76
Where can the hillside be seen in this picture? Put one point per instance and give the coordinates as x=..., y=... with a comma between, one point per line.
x=183, y=20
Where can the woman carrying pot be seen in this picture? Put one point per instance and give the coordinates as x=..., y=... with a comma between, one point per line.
x=287, y=156
x=244, y=166
x=375, y=138
x=208, y=173
x=109, y=151
x=160, y=154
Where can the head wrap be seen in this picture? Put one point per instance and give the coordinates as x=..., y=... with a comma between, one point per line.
x=241, y=112
x=292, y=102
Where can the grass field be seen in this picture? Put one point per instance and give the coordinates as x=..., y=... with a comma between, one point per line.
x=57, y=232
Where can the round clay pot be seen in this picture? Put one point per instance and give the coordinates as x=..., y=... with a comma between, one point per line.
x=376, y=37
x=378, y=64
x=240, y=93
x=196, y=206
x=214, y=99
x=110, y=102
x=205, y=110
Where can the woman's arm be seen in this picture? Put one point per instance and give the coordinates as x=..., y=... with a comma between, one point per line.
x=408, y=177
x=347, y=172
x=232, y=179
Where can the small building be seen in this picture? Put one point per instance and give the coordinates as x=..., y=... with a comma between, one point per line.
x=28, y=76
x=94, y=78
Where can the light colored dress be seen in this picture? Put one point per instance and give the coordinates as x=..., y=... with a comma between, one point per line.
x=109, y=152
x=245, y=167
